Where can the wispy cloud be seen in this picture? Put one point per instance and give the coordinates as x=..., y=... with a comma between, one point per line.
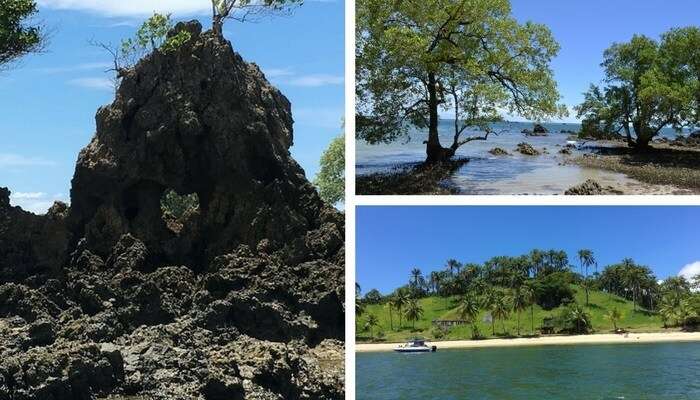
x=127, y=8
x=272, y=73
x=317, y=80
x=74, y=68
x=36, y=202
x=8, y=160
x=93, y=83
x=287, y=76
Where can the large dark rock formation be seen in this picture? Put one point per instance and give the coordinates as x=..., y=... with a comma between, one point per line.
x=244, y=300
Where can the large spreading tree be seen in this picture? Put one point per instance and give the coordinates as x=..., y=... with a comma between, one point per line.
x=471, y=58
x=18, y=36
x=649, y=85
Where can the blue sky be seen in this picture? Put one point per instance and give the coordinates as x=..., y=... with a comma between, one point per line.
x=584, y=29
x=390, y=241
x=49, y=100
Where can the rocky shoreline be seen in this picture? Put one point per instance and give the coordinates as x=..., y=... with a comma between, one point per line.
x=663, y=164
x=417, y=180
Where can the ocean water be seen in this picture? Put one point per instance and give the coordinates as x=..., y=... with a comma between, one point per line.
x=488, y=174
x=596, y=372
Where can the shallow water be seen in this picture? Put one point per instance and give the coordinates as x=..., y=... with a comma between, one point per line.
x=513, y=174
x=668, y=371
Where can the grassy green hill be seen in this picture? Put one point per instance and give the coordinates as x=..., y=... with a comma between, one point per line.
x=445, y=309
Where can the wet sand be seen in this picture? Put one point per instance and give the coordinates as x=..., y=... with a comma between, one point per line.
x=630, y=338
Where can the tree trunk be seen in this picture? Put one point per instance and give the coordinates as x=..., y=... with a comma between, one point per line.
x=434, y=150
x=218, y=25
x=532, y=319
x=391, y=320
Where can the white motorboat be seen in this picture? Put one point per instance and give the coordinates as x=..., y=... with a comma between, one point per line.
x=415, y=346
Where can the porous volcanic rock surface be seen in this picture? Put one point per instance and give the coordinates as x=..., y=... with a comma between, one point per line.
x=103, y=300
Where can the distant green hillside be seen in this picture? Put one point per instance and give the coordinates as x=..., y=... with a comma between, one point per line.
x=445, y=309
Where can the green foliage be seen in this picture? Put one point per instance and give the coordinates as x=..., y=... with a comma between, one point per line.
x=574, y=319
x=373, y=297
x=17, y=36
x=472, y=58
x=152, y=35
x=649, y=85
x=437, y=333
x=614, y=316
x=331, y=177
x=446, y=308
x=177, y=207
x=552, y=290
x=414, y=311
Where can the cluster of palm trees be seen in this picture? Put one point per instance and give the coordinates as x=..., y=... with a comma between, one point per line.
x=406, y=306
x=679, y=305
x=499, y=303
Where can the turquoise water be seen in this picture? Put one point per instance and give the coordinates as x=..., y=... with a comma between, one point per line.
x=631, y=372
x=488, y=174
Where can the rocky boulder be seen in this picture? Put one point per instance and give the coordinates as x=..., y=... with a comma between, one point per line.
x=527, y=149
x=244, y=300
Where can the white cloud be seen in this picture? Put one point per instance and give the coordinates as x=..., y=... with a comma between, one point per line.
x=8, y=160
x=36, y=202
x=125, y=8
x=272, y=73
x=287, y=76
x=317, y=80
x=93, y=83
x=690, y=271
x=74, y=68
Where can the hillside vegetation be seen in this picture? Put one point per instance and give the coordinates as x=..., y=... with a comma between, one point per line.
x=446, y=308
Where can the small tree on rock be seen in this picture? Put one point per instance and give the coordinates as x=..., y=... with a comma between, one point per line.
x=245, y=10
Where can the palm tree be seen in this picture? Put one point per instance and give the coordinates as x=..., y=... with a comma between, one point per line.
x=468, y=310
x=614, y=316
x=415, y=275
x=520, y=302
x=578, y=317
x=488, y=301
x=435, y=280
x=359, y=307
x=586, y=259
x=667, y=308
x=528, y=292
x=501, y=309
x=587, y=284
x=452, y=265
x=414, y=311
x=372, y=321
x=400, y=300
x=390, y=306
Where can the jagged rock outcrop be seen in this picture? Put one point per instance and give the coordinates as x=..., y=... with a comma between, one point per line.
x=244, y=300
x=527, y=149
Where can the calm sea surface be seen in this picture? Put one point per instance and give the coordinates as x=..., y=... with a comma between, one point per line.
x=488, y=174
x=649, y=371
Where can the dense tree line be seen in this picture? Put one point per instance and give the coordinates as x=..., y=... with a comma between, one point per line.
x=504, y=286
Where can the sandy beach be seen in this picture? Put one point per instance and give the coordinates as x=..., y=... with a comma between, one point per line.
x=630, y=338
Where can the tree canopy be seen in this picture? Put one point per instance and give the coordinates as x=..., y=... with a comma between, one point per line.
x=649, y=85
x=469, y=57
x=18, y=36
x=331, y=177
